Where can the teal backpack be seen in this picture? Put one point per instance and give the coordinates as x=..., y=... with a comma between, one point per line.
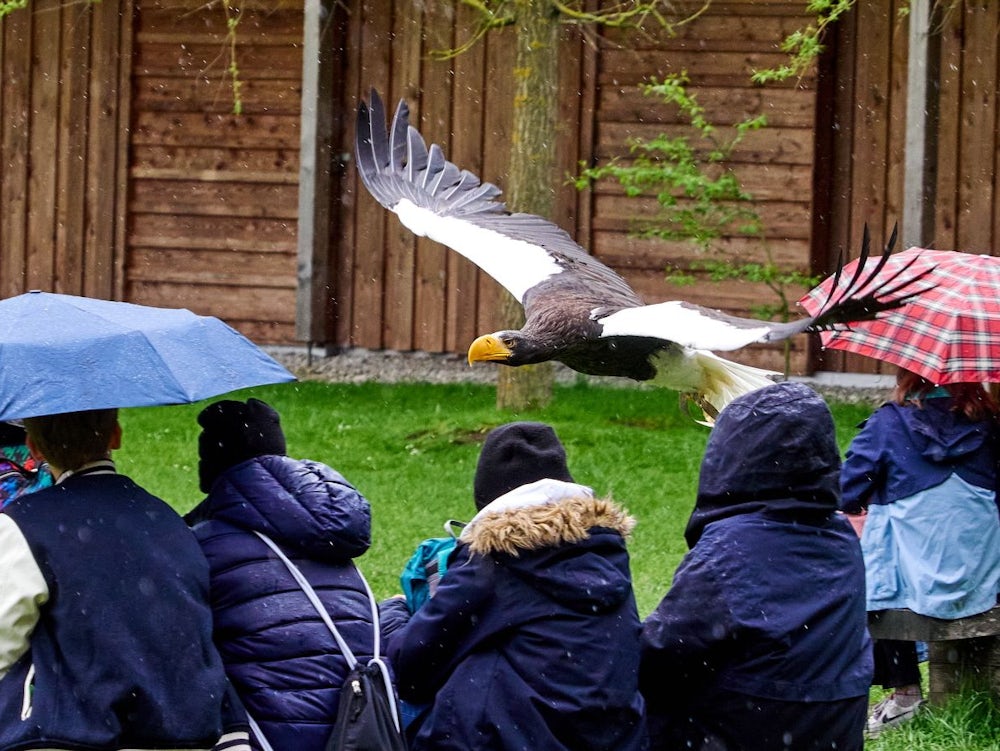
x=427, y=565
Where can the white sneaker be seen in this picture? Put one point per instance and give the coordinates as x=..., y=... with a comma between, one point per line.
x=892, y=710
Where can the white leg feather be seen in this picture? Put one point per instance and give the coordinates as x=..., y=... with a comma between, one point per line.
x=709, y=380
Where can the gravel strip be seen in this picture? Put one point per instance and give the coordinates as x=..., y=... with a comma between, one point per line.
x=386, y=366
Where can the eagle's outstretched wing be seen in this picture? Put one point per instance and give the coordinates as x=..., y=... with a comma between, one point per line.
x=434, y=198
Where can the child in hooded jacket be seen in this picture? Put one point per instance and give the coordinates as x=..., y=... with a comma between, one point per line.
x=278, y=653
x=531, y=639
x=761, y=642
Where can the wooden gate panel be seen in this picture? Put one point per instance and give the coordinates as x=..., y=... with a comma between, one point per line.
x=213, y=206
x=63, y=102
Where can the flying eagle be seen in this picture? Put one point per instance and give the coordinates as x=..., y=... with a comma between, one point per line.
x=577, y=310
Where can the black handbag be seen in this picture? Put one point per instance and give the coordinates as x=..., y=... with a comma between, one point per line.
x=366, y=718
x=368, y=709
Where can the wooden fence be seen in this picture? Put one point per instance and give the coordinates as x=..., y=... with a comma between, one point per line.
x=125, y=174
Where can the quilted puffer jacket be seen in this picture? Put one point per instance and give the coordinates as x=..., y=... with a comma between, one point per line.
x=279, y=655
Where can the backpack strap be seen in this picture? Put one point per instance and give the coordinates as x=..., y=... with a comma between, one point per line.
x=301, y=580
x=352, y=661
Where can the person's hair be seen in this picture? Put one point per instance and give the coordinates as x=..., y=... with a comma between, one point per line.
x=971, y=399
x=72, y=439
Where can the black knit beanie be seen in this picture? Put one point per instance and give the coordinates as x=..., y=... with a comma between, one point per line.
x=233, y=432
x=517, y=454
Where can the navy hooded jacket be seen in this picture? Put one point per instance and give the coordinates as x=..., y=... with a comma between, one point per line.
x=531, y=639
x=902, y=450
x=280, y=656
x=768, y=605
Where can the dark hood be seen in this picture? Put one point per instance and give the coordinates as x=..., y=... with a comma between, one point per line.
x=943, y=435
x=305, y=506
x=772, y=450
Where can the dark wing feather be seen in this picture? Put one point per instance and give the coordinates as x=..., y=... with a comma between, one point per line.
x=521, y=251
x=859, y=299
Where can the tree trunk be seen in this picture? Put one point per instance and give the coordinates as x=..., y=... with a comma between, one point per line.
x=532, y=166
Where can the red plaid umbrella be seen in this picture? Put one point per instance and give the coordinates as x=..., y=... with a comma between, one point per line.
x=949, y=332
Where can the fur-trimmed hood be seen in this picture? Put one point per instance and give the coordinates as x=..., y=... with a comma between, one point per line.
x=560, y=539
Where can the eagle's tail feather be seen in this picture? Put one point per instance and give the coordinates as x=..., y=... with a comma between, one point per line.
x=723, y=380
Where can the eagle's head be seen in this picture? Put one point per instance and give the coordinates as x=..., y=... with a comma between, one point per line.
x=509, y=348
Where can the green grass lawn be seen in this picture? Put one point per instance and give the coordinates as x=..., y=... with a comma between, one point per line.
x=412, y=449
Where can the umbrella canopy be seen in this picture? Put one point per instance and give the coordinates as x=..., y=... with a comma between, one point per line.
x=61, y=353
x=948, y=333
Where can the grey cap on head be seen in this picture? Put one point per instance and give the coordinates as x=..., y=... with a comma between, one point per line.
x=516, y=454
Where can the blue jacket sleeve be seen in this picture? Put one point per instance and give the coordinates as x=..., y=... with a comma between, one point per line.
x=393, y=614
x=862, y=473
x=425, y=651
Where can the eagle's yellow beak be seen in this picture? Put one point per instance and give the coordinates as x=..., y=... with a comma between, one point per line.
x=487, y=348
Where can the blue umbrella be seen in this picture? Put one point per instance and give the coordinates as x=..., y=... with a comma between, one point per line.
x=62, y=353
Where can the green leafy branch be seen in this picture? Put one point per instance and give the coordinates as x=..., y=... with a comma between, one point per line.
x=9, y=6
x=699, y=197
x=804, y=45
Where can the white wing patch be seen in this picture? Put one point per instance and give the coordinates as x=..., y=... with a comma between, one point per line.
x=677, y=322
x=515, y=264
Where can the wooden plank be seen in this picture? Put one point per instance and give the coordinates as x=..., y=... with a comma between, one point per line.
x=978, y=112
x=216, y=162
x=208, y=130
x=403, y=81
x=212, y=232
x=72, y=154
x=102, y=153
x=834, y=163
x=923, y=71
x=227, y=303
x=352, y=83
x=993, y=20
x=722, y=105
x=896, y=133
x=274, y=96
x=619, y=213
x=949, y=132
x=627, y=67
x=785, y=146
x=617, y=249
x=210, y=61
x=905, y=625
x=265, y=25
x=466, y=150
x=188, y=7
x=371, y=221
x=14, y=140
x=42, y=145
x=749, y=30
x=211, y=198
x=763, y=182
x=740, y=296
x=569, y=131
x=871, y=132
x=431, y=273
x=200, y=267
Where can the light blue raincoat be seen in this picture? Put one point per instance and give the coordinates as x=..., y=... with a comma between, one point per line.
x=931, y=539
